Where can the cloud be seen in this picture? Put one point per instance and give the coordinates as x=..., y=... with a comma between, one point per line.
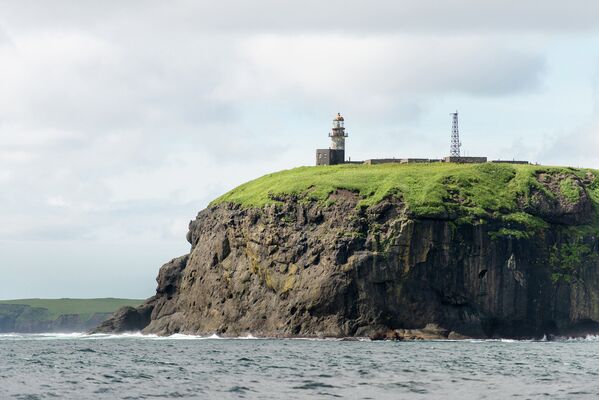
x=355, y=17
x=341, y=68
x=364, y=16
x=98, y=110
x=120, y=120
x=575, y=149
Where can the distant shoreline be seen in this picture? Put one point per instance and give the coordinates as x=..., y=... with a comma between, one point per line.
x=38, y=315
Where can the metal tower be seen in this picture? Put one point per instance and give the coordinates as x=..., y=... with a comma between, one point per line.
x=455, y=136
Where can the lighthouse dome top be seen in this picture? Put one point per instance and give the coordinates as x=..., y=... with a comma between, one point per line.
x=338, y=117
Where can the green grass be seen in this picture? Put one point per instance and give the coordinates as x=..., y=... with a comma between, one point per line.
x=84, y=307
x=466, y=191
x=569, y=190
x=567, y=258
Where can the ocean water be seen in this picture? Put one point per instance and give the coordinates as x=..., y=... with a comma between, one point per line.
x=77, y=366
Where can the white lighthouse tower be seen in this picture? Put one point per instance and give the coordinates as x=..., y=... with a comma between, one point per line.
x=338, y=134
x=335, y=154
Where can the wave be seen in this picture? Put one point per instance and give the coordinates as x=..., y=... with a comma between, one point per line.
x=587, y=338
x=249, y=336
x=41, y=336
x=108, y=336
x=143, y=336
x=181, y=336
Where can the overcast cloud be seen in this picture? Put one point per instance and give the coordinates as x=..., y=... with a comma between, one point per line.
x=120, y=120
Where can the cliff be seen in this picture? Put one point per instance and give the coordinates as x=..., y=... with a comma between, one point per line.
x=57, y=315
x=480, y=250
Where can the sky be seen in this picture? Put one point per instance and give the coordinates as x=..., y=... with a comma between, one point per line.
x=120, y=120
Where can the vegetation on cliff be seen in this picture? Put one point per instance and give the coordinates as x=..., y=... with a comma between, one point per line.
x=466, y=193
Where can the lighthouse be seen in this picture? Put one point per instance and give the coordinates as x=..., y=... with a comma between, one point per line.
x=335, y=154
x=338, y=134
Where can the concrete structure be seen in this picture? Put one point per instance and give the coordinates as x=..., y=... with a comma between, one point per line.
x=329, y=157
x=335, y=154
x=510, y=162
x=414, y=160
x=374, y=161
x=465, y=160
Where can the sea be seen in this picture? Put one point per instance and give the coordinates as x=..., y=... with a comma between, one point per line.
x=80, y=366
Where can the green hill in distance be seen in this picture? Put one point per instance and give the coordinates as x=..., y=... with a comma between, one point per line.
x=83, y=307
x=58, y=315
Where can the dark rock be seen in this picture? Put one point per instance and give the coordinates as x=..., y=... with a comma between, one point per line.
x=381, y=335
x=126, y=319
x=456, y=336
x=550, y=204
x=303, y=268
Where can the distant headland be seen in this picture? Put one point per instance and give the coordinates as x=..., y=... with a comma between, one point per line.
x=57, y=315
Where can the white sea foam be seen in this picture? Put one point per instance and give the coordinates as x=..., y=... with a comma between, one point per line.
x=214, y=336
x=126, y=335
x=110, y=336
x=249, y=336
x=182, y=336
x=41, y=336
x=587, y=338
x=9, y=335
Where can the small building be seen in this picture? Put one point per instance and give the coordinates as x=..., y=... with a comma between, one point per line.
x=335, y=154
x=329, y=156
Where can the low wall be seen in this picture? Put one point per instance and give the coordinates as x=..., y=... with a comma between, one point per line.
x=466, y=160
x=510, y=162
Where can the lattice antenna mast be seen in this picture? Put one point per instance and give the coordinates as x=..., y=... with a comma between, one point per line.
x=455, y=136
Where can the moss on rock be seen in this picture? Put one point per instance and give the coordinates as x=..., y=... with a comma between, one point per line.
x=523, y=195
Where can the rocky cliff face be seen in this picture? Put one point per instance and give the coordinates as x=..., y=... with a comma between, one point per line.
x=313, y=268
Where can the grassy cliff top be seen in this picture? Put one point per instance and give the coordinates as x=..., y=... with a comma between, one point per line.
x=429, y=190
x=84, y=307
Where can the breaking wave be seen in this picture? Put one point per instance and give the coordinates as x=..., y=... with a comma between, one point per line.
x=106, y=336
